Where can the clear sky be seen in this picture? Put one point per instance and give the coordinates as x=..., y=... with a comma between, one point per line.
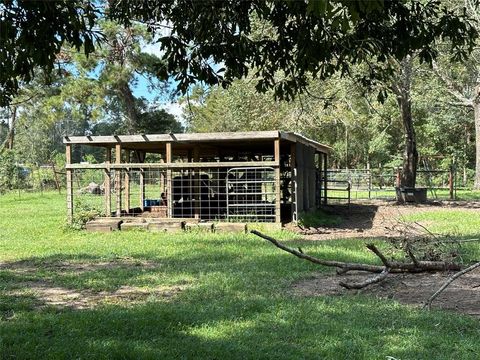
x=141, y=89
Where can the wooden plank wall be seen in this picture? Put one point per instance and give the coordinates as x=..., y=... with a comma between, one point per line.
x=306, y=177
x=311, y=178
x=293, y=182
x=300, y=177
x=325, y=180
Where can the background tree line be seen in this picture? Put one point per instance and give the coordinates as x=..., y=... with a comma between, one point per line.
x=363, y=131
x=84, y=96
x=387, y=102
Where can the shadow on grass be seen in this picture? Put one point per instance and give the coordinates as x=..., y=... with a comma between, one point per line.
x=359, y=216
x=256, y=327
x=228, y=266
x=235, y=307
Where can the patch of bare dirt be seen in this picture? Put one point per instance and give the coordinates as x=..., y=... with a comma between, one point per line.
x=50, y=295
x=47, y=293
x=30, y=267
x=463, y=295
x=374, y=219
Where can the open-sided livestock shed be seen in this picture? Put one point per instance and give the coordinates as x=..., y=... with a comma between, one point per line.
x=261, y=176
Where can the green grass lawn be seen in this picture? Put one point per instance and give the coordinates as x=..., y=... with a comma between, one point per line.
x=234, y=300
x=461, y=223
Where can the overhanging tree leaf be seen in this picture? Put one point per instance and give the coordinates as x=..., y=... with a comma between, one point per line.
x=307, y=39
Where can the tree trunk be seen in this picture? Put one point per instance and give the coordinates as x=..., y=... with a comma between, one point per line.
x=8, y=143
x=410, y=155
x=118, y=56
x=476, y=111
x=130, y=108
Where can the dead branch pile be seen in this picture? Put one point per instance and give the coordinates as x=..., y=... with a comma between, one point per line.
x=414, y=238
x=415, y=265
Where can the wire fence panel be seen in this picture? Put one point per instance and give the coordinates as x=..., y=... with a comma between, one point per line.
x=381, y=183
x=437, y=182
x=199, y=193
x=217, y=193
x=89, y=191
x=338, y=192
x=251, y=194
x=365, y=184
x=153, y=196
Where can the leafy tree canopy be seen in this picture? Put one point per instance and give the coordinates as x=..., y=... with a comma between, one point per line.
x=298, y=38
x=32, y=34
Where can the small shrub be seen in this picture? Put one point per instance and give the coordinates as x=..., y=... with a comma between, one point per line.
x=12, y=176
x=83, y=213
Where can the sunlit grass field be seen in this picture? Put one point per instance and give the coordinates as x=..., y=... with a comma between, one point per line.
x=229, y=296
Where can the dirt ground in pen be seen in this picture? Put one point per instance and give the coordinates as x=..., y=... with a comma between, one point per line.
x=375, y=220
x=463, y=295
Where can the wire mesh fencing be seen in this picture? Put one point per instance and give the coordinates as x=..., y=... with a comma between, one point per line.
x=251, y=194
x=216, y=193
x=32, y=178
x=88, y=192
x=381, y=184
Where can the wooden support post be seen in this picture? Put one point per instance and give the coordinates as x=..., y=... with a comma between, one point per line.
x=127, y=182
x=293, y=181
x=278, y=192
x=106, y=184
x=299, y=178
x=118, y=180
x=451, y=182
x=196, y=185
x=142, y=189
x=369, y=174
x=318, y=176
x=168, y=156
x=55, y=177
x=68, y=156
x=325, y=178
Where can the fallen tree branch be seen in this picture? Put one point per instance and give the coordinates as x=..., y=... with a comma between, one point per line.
x=377, y=252
x=461, y=240
x=373, y=280
x=343, y=267
x=410, y=254
x=332, y=263
x=433, y=235
x=455, y=276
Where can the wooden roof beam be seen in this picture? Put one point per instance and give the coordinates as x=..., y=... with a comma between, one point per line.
x=110, y=141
